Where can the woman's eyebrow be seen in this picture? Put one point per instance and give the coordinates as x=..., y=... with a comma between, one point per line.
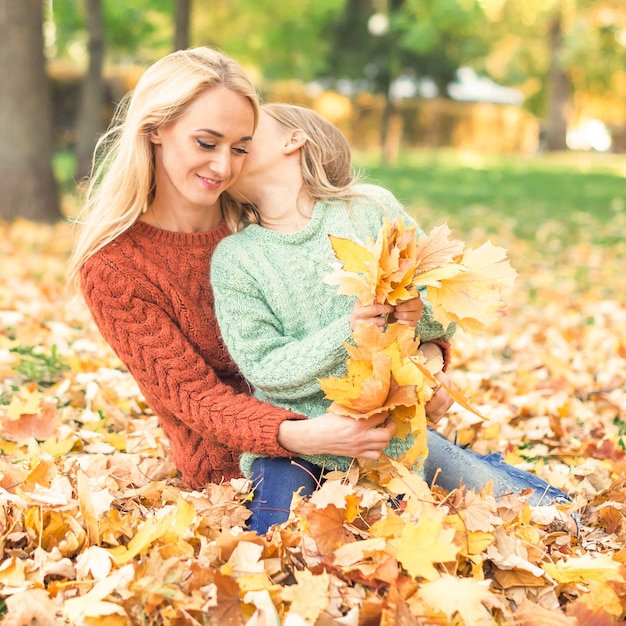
x=216, y=133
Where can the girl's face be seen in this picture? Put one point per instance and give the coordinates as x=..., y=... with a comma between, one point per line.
x=201, y=154
x=265, y=156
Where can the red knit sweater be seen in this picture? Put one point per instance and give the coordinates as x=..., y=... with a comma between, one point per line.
x=150, y=297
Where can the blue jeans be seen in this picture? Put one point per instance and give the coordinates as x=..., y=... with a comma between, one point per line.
x=276, y=479
x=459, y=465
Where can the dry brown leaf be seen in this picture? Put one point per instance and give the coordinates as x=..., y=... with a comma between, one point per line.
x=326, y=527
x=309, y=597
x=31, y=606
x=529, y=614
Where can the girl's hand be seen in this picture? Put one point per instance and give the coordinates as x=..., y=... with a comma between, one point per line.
x=441, y=401
x=408, y=312
x=373, y=313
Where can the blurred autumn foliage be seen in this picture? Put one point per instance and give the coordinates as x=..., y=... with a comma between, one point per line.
x=96, y=528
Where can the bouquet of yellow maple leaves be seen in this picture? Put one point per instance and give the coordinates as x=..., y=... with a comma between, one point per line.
x=385, y=371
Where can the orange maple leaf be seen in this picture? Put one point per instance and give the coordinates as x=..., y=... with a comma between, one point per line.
x=382, y=377
x=380, y=270
x=363, y=390
x=28, y=417
x=326, y=527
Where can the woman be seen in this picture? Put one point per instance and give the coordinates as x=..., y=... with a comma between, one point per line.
x=154, y=213
x=285, y=327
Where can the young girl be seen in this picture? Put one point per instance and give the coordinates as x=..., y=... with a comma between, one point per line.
x=285, y=327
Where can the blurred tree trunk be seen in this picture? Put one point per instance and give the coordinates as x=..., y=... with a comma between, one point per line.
x=183, y=17
x=90, y=122
x=558, y=91
x=391, y=127
x=28, y=188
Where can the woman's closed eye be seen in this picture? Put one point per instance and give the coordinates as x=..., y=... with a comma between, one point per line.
x=205, y=145
x=238, y=150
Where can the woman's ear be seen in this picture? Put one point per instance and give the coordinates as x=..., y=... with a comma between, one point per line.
x=295, y=141
x=154, y=136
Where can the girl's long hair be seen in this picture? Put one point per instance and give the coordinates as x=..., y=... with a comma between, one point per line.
x=122, y=182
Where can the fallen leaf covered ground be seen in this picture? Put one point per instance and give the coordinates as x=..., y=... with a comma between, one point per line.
x=96, y=528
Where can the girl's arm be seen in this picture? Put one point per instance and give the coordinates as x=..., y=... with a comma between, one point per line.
x=279, y=366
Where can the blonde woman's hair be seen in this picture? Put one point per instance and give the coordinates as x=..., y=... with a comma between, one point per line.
x=122, y=182
x=326, y=158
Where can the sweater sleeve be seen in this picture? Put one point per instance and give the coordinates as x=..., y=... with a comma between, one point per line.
x=281, y=367
x=174, y=378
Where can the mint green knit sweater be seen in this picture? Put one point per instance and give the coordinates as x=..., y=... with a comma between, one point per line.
x=283, y=326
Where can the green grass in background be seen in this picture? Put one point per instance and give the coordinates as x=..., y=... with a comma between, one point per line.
x=567, y=195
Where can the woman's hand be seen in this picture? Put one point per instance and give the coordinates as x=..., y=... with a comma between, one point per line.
x=337, y=435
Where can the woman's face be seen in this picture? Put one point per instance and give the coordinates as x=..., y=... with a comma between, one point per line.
x=201, y=154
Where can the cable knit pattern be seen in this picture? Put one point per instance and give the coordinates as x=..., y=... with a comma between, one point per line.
x=282, y=324
x=149, y=294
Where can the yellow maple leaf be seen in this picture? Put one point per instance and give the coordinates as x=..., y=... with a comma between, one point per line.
x=468, y=595
x=355, y=256
x=353, y=284
x=425, y=544
x=437, y=249
x=173, y=524
x=390, y=526
x=464, y=286
x=379, y=376
x=93, y=603
x=368, y=340
x=405, y=482
x=396, y=263
x=473, y=298
x=584, y=568
x=26, y=402
x=332, y=492
x=602, y=597
x=352, y=553
x=384, y=374
x=57, y=447
x=358, y=273
x=310, y=596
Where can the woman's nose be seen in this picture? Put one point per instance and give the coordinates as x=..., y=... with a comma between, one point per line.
x=221, y=163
